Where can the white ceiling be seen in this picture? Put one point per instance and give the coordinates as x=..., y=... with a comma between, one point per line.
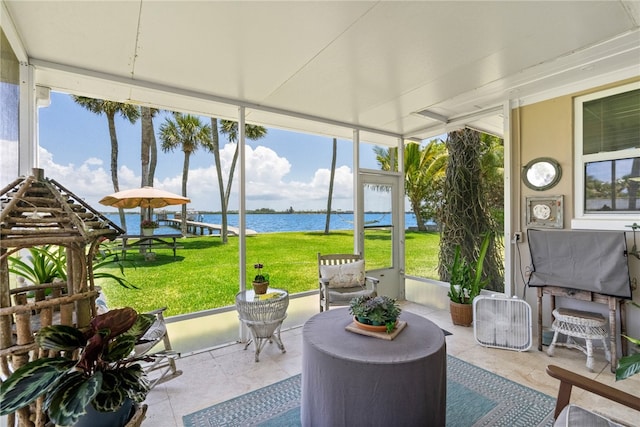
x=365, y=65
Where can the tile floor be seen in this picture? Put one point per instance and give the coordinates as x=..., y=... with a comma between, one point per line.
x=217, y=375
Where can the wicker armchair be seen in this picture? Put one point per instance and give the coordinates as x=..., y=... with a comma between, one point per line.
x=341, y=277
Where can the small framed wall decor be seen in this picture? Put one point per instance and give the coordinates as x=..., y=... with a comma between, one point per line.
x=545, y=211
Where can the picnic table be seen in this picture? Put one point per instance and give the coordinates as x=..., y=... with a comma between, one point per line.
x=130, y=241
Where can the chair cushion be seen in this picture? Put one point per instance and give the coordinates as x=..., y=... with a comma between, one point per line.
x=343, y=296
x=154, y=334
x=344, y=275
x=573, y=415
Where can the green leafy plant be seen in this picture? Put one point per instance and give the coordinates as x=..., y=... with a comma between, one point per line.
x=147, y=223
x=375, y=310
x=465, y=281
x=106, y=258
x=629, y=365
x=104, y=375
x=49, y=262
x=260, y=276
x=42, y=265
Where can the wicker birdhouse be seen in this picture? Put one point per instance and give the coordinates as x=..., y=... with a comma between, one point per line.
x=37, y=211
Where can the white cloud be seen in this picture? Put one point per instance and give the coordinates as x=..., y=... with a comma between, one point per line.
x=266, y=184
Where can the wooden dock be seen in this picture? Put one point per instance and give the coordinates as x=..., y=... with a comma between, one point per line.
x=198, y=228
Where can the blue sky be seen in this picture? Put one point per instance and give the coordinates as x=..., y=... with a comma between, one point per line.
x=283, y=169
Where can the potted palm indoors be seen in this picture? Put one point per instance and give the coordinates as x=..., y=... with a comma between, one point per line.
x=465, y=283
x=96, y=388
x=375, y=313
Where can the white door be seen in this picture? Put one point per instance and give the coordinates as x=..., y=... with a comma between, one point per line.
x=381, y=230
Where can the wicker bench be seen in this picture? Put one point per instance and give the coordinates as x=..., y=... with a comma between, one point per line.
x=579, y=324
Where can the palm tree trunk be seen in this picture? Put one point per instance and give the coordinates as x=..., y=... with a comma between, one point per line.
x=227, y=193
x=333, y=174
x=114, y=164
x=153, y=155
x=415, y=207
x=185, y=176
x=145, y=153
x=216, y=156
x=465, y=218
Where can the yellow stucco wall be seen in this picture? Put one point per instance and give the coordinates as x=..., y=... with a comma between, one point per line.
x=545, y=129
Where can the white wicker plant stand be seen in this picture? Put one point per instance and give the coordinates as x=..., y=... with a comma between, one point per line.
x=263, y=317
x=579, y=324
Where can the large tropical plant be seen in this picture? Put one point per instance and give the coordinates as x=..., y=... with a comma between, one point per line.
x=104, y=375
x=424, y=171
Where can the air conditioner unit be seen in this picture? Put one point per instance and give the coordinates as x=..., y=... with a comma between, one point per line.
x=502, y=322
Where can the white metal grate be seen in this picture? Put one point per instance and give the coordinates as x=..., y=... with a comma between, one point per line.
x=502, y=322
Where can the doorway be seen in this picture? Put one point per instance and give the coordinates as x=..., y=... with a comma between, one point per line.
x=381, y=229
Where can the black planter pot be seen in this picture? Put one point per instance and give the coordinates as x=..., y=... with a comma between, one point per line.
x=117, y=418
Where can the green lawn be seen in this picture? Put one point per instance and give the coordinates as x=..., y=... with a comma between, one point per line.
x=205, y=273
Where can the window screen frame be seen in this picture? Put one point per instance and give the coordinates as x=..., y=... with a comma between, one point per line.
x=595, y=219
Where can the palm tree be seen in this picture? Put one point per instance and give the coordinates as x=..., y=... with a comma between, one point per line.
x=465, y=217
x=148, y=152
x=188, y=133
x=492, y=167
x=110, y=109
x=333, y=174
x=423, y=172
x=230, y=128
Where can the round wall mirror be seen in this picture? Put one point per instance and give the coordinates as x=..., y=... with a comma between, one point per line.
x=541, y=173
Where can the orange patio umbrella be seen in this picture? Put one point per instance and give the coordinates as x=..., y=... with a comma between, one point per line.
x=145, y=197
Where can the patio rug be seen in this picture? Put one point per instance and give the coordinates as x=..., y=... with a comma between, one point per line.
x=475, y=397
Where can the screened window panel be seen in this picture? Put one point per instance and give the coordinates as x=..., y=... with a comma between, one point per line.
x=612, y=123
x=9, y=110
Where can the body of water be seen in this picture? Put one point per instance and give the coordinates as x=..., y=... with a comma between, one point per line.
x=276, y=222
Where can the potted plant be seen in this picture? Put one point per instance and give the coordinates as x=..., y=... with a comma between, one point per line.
x=381, y=312
x=465, y=283
x=48, y=263
x=629, y=365
x=147, y=226
x=260, y=281
x=104, y=379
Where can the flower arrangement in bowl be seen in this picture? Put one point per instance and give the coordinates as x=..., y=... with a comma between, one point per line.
x=147, y=223
x=380, y=311
x=105, y=377
x=261, y=280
